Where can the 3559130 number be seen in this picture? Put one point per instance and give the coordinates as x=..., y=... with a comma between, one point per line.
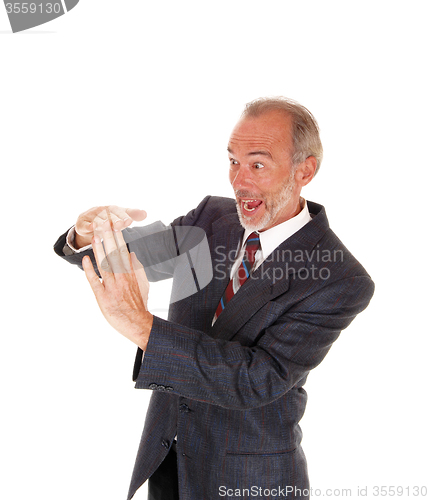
x=399, y=491
x=33, y=8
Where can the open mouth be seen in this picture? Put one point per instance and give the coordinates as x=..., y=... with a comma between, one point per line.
x=248, y=207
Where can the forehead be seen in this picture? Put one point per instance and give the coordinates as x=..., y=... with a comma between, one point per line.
x=272, y=130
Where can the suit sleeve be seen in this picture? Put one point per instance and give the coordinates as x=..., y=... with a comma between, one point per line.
x=156, y=246
x=190, y=363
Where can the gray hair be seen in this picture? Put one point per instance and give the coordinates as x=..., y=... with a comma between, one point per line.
x=305, y=130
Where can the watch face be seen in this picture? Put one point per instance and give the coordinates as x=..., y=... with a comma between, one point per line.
x=28, y=14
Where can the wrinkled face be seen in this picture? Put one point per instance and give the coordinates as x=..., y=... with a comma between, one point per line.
x=261, y=173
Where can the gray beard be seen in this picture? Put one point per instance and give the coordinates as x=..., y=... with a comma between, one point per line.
x=271, y=213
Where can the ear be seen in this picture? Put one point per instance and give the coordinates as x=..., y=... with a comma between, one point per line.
x=305, y=171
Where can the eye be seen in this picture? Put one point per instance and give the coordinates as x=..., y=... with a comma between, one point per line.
x=259, y=165
x=233, y=162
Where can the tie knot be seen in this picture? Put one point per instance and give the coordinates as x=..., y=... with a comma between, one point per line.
x=252, y=246
x=252, y=239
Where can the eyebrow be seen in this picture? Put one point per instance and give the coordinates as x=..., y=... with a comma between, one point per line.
x=253, y=153
x=262, y=153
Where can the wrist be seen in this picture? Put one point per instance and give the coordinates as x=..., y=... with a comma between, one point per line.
x=81, y=241
x=143, y=336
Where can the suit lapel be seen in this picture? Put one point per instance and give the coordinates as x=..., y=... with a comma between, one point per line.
x=224, y=244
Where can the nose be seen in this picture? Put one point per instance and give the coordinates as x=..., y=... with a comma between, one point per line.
x=240, y=179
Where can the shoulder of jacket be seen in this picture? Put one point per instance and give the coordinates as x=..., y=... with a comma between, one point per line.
x=209, y=210
x=221, y=203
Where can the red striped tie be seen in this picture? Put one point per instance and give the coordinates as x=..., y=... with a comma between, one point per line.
x=243, y=272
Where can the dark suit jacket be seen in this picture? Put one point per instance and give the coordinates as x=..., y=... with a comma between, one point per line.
x=233, y=392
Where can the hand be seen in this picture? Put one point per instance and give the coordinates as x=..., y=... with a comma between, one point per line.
x=87, y=222
x=123, y=292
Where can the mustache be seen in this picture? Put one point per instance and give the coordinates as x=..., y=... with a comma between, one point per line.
x=247, y=194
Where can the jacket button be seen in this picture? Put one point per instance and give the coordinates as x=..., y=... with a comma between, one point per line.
x=153, y=386
x=161, y=387
x=184, y=408
x=165, y=443
x=168, y=388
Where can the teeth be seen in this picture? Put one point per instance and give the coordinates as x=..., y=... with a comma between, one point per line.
x=246, y=206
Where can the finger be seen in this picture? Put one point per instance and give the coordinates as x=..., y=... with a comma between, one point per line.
x=136, y=214
x=92, y=212
x=96, y=216
x=123, y=250
x=117, y=216
x=117, y=222
x=91, y=276
x=120, y=218
x=142, y=280
x=111, y=249
x=136, y=264
x=105, y=221
x=123, y=217
x=84, y=222
x=103, y=263
x=100, y=219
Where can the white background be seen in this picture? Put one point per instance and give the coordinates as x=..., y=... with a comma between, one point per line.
x=132, y=103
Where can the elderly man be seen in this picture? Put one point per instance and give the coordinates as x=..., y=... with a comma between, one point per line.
x=227, y=369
